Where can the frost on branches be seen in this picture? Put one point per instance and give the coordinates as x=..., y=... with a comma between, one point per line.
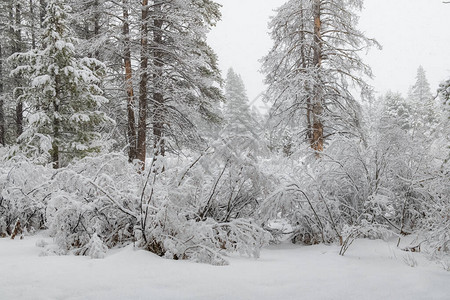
x=183, y=212
x=218, y=179
x=63, y=94
x=313, y=64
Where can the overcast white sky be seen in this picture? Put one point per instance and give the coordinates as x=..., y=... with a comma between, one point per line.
x=412, y=33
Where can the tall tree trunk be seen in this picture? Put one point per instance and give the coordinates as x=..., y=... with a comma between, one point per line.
x=2, y=112
x=158, y=109
x=317, y=105
x=96, y=26
x=33, y=25
x=131, y=124
x=42, y=12
x=142, y=125
x=56, y=125
x=17, y=81
x=55, y=147
x=309, y=132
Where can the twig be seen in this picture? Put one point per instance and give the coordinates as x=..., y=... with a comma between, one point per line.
x=120, y=207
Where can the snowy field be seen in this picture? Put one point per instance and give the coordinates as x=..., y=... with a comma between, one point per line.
x=370, y=270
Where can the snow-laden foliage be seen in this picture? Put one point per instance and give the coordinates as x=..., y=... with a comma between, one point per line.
x=424, y=116
x=322, y=199
x=313, y=66
x=327, y=169
x=179, y=208
x=63, y=93
x=23, y=197
x=391, y=183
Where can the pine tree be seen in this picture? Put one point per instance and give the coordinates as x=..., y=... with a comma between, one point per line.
x=63, y=93
x=398, y=110
x=11, y=39
x=312, y=65
x=241, y=131
x=110, y=32
x=184, y=72
x=424, y=113
x=237, y=112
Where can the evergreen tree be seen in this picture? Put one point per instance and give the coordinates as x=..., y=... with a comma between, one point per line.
x=424, y=113
x=11, y=42
x=63, y=93
x=237, y=112
x=241, y=131
x=183, y=72
x=314, y=61
x=398, y=110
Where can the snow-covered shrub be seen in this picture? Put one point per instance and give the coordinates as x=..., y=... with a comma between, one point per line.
x=298, y=199
x=96, y=195
x=201, y=209
x=436, y=223
x=24, y=193
x=321, y=197
x=178, y=208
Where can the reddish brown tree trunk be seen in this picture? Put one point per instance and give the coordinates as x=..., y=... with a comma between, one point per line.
x=317, y=105
x=309, y=133
x=142, y=125
x=131, y=124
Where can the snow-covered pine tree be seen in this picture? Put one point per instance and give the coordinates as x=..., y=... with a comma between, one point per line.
x=183, y=72
x=110, y=31
x=11, y=40
x=424, y=116
x=313, y=65
x=398, y=110
x=63, y=93
x=237, y=112
x=16, y=30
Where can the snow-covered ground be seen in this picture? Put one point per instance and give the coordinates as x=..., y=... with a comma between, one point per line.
x=370, y=270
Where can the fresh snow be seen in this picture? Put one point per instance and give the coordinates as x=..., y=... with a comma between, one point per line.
x=370, y=270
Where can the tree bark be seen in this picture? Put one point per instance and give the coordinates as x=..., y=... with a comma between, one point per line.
x=42, y=12
x=97, y=26
x=18, y=48
x=309, y=133
x=317, y=105
x=131, y=123
x=33, y=25
x=158, y=109
x=2, y=112
x=142, y=125
x=56, y=125
x=55, y=146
